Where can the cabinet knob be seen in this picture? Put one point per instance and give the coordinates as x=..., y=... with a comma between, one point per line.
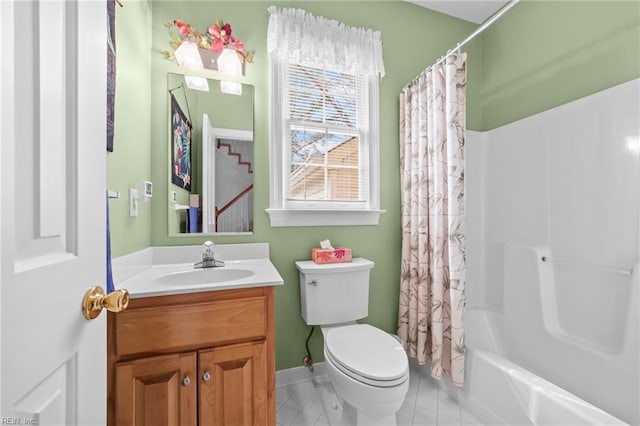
x=186, y=381
x=206, y=376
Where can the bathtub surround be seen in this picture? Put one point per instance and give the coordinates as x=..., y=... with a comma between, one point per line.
x=563, y=185
x=432, y=286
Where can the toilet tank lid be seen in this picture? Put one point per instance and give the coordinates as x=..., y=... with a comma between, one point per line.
x=356, y=264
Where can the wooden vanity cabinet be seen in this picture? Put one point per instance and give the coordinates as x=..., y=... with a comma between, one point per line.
x=157, y=391
x=235, y=393
x=193, y=359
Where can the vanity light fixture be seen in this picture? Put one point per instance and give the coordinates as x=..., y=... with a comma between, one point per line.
x=188, y=56
x=229, y=63
x=197, y=83
x=231, y=87
x=214, y=49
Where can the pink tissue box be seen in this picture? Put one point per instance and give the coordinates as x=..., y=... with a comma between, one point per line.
x=336, y=255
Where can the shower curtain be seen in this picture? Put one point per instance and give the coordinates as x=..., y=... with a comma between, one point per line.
x=432, y=286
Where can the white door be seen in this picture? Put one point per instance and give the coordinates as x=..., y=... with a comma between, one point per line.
x=52, y=214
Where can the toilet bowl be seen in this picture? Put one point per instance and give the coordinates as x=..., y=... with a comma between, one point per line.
x=368, y=368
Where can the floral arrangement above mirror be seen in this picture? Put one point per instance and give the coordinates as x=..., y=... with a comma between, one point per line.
x=194, y=49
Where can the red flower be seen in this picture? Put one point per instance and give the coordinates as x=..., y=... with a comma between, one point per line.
x=214, y=31
x=217, y=45
x=239, y=47
x=216, y=37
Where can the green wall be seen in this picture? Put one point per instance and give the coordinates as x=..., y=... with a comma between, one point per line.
x=130, y=163
x=547, y=53
x=541, y=55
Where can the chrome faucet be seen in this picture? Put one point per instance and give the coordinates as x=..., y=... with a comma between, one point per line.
x=208, y=259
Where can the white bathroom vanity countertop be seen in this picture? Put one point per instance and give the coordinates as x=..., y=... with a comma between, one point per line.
x=162, y=271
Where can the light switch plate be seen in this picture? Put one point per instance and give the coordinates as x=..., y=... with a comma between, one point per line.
x=133, y=202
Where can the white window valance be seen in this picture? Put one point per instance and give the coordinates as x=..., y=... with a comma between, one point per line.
x=315, y=41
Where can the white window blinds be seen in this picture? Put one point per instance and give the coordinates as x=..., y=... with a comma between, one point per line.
x=327, y=135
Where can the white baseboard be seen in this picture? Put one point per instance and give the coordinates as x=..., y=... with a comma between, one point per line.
x=294, y=375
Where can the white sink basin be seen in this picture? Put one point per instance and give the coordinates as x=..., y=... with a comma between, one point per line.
x=204, y=276
x=239, y=271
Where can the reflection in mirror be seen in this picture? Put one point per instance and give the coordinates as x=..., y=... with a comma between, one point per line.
x=210, y=157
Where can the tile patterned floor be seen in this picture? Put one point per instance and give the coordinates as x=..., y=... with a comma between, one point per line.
x=300, y=404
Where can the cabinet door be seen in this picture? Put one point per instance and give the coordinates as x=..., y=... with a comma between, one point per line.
x=233, y=385
x=157, y=391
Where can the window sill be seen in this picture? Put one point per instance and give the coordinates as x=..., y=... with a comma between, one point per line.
x=281, y=217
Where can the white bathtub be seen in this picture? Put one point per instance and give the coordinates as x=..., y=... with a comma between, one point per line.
x=527, y=366
x=499, y=392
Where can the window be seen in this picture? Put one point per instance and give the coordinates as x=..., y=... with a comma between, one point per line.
x=323, y=142
x=327, y=133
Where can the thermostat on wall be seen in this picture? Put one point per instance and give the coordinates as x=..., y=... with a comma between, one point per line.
x=147, y=190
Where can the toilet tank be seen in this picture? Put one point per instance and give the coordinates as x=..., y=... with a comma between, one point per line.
x=334, y=293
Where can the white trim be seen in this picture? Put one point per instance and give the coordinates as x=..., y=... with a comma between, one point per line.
x=276, y=123
x=7, y=170
x=236, y=134
x=291, y=376
x=208, y=174
x=283, y=217
x=279, y=214
x=374, y=143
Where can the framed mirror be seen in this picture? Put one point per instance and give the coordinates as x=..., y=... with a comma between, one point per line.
x=210, y=156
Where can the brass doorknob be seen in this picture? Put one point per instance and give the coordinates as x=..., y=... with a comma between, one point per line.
x=95, y=300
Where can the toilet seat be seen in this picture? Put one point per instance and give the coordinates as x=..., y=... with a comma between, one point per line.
x=367, y=354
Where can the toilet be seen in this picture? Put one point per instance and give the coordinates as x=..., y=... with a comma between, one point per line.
x=367, y=367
